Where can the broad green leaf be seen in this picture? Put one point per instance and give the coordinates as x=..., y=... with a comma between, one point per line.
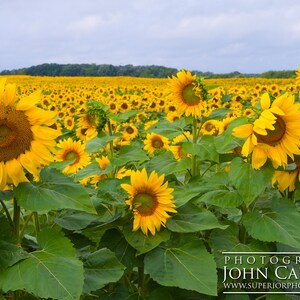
x=204, y=149
x=53, y=191
x=183, y=194
x=52, y=271
x=124, y=117
x=169, y=129
x=75, y=220
x=228, y=241
x=93, y=169
x=6, y=195
x=143, y=243
x=110, y=192
x=187, y=266
x=114, y=240
x=222, y=196
x=100, y=141
x=226, y=141
x=167, y=164
x=218, y=114
x=190, y=218
x=250, y=183
x=280, y=224
x=101, y=268
x=10, y=253
x=130, y=153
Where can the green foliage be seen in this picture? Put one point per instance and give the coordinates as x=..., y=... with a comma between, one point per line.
x=50, y=271
x=187, y=265
x=53, y=191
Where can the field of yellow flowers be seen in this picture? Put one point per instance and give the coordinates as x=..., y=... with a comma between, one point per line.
x=135, y=188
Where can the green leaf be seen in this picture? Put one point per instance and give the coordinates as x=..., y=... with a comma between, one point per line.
x=228, y=241
x=218, y=114
x=52, y=271
x=143, y=243
x=130, y=153
x=191, y=218
x=167, y=164
x=75, y=220
x=222, y=197
x=100, y=141
x=204, y=149
x=101, y=267
x=6, y=195
x=280, y=224
x=183, y=194
x=226, y=141
x=250, y=183
x=124, y=117
x=93, y=169
x=10, y=253
x=53, y=191
x=187, y=266
x=110, y=192
x=169, y=129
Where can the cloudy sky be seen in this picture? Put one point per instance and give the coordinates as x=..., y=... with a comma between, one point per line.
x=249, y=36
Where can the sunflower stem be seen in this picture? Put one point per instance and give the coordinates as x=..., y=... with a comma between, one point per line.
x=25, y=225
x=16, y=221
x=242, y=232
x=111, y=144
x=194, y=157
x=36, y=222
x=10, y=221
x=141, y=277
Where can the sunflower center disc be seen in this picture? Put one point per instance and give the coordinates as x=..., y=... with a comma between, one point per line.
x=129, y=130
x=189, y=95
x=15, y=133
x=274, y=136
x=71, y=156
x=157, y=144
x=144, y=203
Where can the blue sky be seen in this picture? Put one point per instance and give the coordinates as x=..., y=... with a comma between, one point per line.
x=250, y=36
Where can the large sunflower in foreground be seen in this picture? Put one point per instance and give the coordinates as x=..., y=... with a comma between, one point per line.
x=73, y=151
x=150, y=199
x=26, y=140
x=275, y=133
x=187, y=97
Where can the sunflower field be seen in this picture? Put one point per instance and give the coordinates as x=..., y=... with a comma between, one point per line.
x=134, y=188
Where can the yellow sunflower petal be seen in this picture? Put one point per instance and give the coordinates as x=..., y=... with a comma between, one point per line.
x=15, y=172
x=265, y=101
x=243, y=131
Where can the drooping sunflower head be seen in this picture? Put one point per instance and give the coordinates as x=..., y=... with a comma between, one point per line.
x=275, y=132
x=26, y=140
x=150, y=199
x=187, y=93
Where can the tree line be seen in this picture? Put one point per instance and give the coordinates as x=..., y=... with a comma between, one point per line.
x=54, y=69
x=152, y=71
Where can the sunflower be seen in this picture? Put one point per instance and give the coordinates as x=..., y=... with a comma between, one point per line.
x=87, y=122
x=287, y=179
x=73, y=151
x=275, y=133
x=154, y=142
x=150, y=199
x=176, y=148
x=187, y=98
x=26, y=140
x=129, y=131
